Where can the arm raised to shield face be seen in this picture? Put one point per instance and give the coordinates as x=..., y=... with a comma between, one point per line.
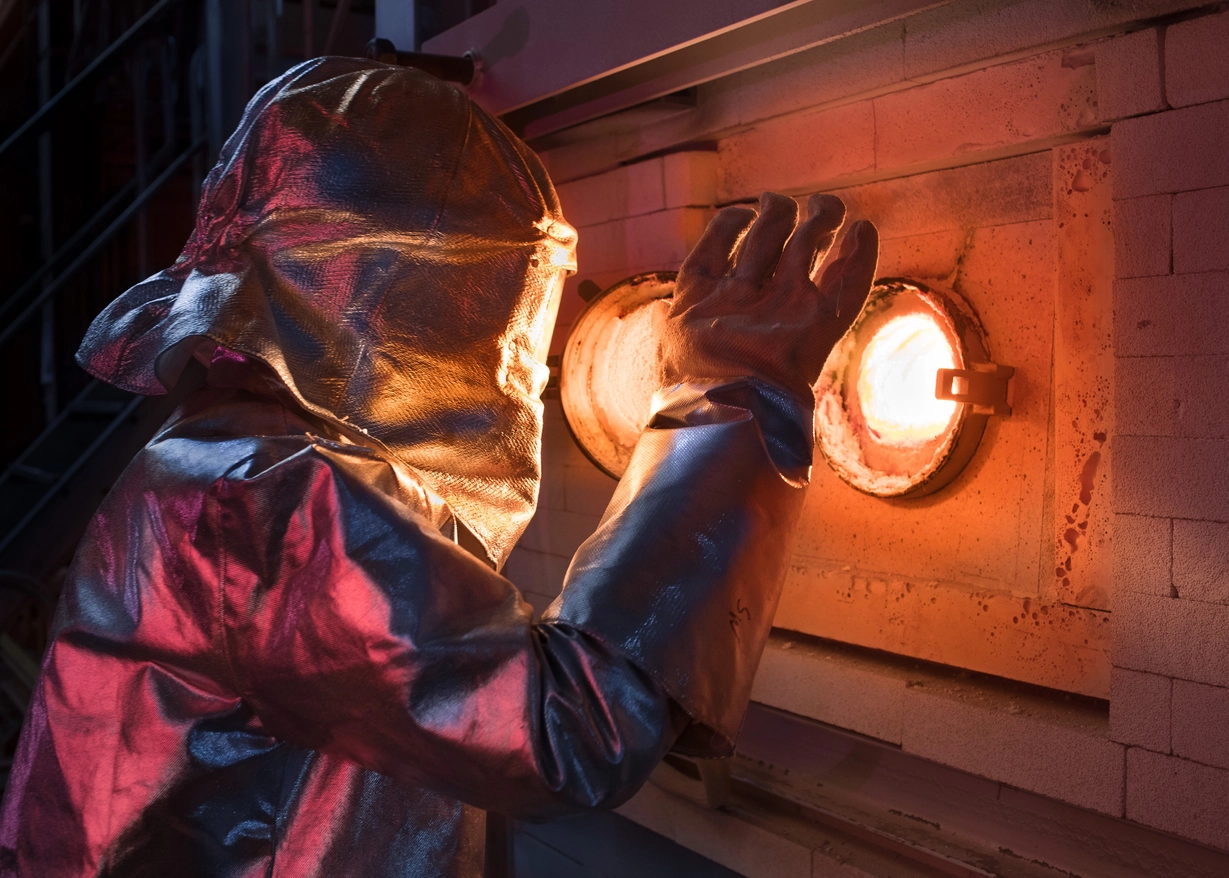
x=749, y=302
x=685, y=570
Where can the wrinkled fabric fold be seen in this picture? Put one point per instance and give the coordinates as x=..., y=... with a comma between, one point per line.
x=267, y=657
x=271, y=657
x=711, y=495
x=395, y=256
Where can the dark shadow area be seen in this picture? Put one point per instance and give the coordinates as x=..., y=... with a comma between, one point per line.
x=602, y=844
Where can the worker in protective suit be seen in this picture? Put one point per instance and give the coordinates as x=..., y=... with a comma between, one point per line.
x=271, y=656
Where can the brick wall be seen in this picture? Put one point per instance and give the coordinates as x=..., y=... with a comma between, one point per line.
x=1168, y=94
x=860, y=117
x=643, y=216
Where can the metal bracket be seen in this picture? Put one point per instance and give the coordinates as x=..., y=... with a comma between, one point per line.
x=552, y=384
x=587, y=289
x=462, y=70
x=706, y=782
x=983, y=386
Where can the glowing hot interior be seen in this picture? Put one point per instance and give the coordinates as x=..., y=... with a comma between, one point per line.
x=896, y=382
x=626, y=371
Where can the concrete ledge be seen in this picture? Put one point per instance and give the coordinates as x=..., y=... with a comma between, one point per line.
x=1030, y=738
x=736, y=844
x=814, y=800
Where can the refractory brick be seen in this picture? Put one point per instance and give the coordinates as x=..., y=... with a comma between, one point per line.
x=797, y=153
x=832, y=688
x=536, y=572
x=1175, y=151
x=1077, y=765
x=1172, y=637
x=586, y=489
x=1203, y=404
x=832, y=71
x=1201, y=230
x=1142, y=549
x=957, y=33
x=998, y=193
x=1172, y=315
x=631, y=190
x=1172, y=477
x=1129, y=75
x=690, y=178
x=1201, y=561
x=1142, y=236
x=1139, y=709
x=650, y=242
x=1178, y=796
x=1201, y=723
x=1172, y=396
x=1025, y=100
x=557, y=532
x=1196, y=63
x=1146, y=401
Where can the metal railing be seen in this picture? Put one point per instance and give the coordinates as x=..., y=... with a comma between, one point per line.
x=34, y=310
x=49, y=489
x=52, y=287
x=101, y=65
x=63, y=470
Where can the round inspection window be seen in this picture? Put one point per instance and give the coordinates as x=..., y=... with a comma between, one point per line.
x=610, y=368
x=893, y=415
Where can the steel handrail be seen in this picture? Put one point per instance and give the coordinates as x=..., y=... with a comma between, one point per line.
x=42, y=118
x=60, y=483
x=74, y=243
x=30, y=450
x=70, y=246
x=88, y=253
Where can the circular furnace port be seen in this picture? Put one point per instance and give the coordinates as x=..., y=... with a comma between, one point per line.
x=610, y=368
x=879, y=420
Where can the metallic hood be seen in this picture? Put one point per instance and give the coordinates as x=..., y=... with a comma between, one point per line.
x=395, y=255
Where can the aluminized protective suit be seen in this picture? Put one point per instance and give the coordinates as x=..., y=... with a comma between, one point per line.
x=271, y=657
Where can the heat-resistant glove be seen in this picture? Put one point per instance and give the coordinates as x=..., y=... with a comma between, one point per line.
x=745, y=304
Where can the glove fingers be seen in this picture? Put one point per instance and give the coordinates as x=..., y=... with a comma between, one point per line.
x=761, y=249
x=714, y=253
x=711, y=258
x=847, y=280
x=811, y=241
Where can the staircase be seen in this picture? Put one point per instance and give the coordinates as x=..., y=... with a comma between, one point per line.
x=110, y=114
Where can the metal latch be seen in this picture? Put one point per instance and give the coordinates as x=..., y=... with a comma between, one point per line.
x=983, y=386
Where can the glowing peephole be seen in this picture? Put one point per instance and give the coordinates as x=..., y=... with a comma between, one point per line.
x=897, y=387
x=610, y=368
x=878, y=419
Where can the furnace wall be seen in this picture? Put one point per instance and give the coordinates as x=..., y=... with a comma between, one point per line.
x=963, y=136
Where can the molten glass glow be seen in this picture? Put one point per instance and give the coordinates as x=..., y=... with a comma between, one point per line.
x=896, y=382
x=626, y=372
x=610, y=369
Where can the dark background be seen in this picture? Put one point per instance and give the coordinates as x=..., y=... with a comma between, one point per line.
x=111, y=114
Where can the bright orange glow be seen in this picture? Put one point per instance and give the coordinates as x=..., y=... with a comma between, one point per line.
x=626, y=371
x=610, y=369
x=563, y=257
x=896, y=382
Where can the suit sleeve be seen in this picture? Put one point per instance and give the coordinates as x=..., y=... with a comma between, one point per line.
x=352, y=627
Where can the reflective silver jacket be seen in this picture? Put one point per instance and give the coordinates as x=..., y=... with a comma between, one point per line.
x=271, y=658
